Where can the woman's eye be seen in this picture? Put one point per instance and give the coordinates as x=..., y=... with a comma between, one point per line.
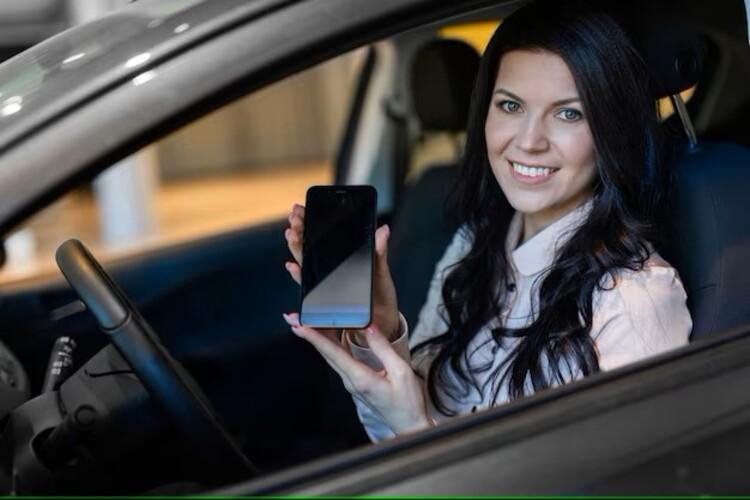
x=509, y=106
x=570, y=115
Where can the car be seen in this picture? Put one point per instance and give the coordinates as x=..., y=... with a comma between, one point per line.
x=216, y=396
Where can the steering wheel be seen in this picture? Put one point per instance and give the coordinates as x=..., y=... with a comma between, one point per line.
x=166, y=381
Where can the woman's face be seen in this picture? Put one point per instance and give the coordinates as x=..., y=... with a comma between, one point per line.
x=538, y=140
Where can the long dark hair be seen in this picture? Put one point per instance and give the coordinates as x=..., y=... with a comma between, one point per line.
x=612, y=82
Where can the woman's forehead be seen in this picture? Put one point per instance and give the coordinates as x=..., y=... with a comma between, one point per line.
x=535, y=74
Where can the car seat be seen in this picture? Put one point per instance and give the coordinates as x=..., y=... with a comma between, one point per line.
x=707, y=234
x=706, y=237
x=441, y=82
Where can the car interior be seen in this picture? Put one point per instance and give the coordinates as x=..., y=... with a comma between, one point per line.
x=199, y=296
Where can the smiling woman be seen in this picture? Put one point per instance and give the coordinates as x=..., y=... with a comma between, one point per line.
x=538, y=143
x=552, y=275
x=563, y=123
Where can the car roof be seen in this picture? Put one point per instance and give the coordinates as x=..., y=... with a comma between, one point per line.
x=74, y=66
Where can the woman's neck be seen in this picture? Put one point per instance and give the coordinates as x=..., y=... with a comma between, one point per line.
x=536, y=222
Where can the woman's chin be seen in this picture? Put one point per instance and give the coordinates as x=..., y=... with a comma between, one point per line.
x=530, y=207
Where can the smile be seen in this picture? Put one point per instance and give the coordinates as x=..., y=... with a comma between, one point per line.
x=531, y=174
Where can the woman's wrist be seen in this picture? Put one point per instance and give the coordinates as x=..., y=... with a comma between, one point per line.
x=420, y=423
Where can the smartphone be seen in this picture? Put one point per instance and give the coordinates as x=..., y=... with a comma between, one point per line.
x=338, y=251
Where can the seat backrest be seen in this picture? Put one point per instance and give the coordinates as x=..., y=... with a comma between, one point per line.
x=420, y=234
x=441, y=79
x=708, y=235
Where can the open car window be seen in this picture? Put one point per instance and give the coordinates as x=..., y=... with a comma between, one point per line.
x=240, y=166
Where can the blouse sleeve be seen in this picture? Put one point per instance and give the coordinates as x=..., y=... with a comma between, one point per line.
x=431, y=322
x=644, y=314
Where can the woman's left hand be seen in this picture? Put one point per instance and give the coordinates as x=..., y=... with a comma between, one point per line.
x=395, y=392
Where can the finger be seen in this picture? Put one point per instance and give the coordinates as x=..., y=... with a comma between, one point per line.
x=294, y=243
x=358, y=378
x=321, y=340
x=382, y=348
x=296, y=223
x=299, y=211
x=294, y=271
x=381, y=241
x=382, y=235
x=293, y=236
x=293, y=319
x=341, y=360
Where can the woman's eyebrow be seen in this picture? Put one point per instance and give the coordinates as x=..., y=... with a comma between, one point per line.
x=561, y=102
x=508, y=93
x=569, y=100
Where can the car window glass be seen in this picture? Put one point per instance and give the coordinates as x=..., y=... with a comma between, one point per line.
x=237, y=167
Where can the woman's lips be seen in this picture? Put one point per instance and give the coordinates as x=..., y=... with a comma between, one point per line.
x=530, y=175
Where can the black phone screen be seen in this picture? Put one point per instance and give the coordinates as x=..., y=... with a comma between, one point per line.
x=337, y=256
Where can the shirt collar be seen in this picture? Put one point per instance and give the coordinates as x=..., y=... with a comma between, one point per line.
x=538, y=253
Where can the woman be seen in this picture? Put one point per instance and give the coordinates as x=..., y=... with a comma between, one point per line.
x=552, y=275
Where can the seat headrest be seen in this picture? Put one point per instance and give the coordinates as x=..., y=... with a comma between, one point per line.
x=675, y=59
x=670, y=43
x=442, y=79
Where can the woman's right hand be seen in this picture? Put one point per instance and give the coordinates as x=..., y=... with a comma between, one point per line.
x=384, y=303
x=394, y=392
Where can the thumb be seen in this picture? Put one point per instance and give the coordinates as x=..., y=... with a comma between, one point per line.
x=382, y=235
x=383, y=349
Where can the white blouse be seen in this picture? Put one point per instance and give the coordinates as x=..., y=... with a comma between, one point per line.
x=641, y=314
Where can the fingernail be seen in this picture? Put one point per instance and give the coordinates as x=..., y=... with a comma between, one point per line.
x=290, y=319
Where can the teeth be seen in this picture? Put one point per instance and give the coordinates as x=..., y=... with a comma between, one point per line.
x=531, y=171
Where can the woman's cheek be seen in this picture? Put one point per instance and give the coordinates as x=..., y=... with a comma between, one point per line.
x=576, y=145
x=497, y=134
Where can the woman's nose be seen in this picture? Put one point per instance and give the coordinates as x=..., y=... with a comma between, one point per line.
x=532, y=137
